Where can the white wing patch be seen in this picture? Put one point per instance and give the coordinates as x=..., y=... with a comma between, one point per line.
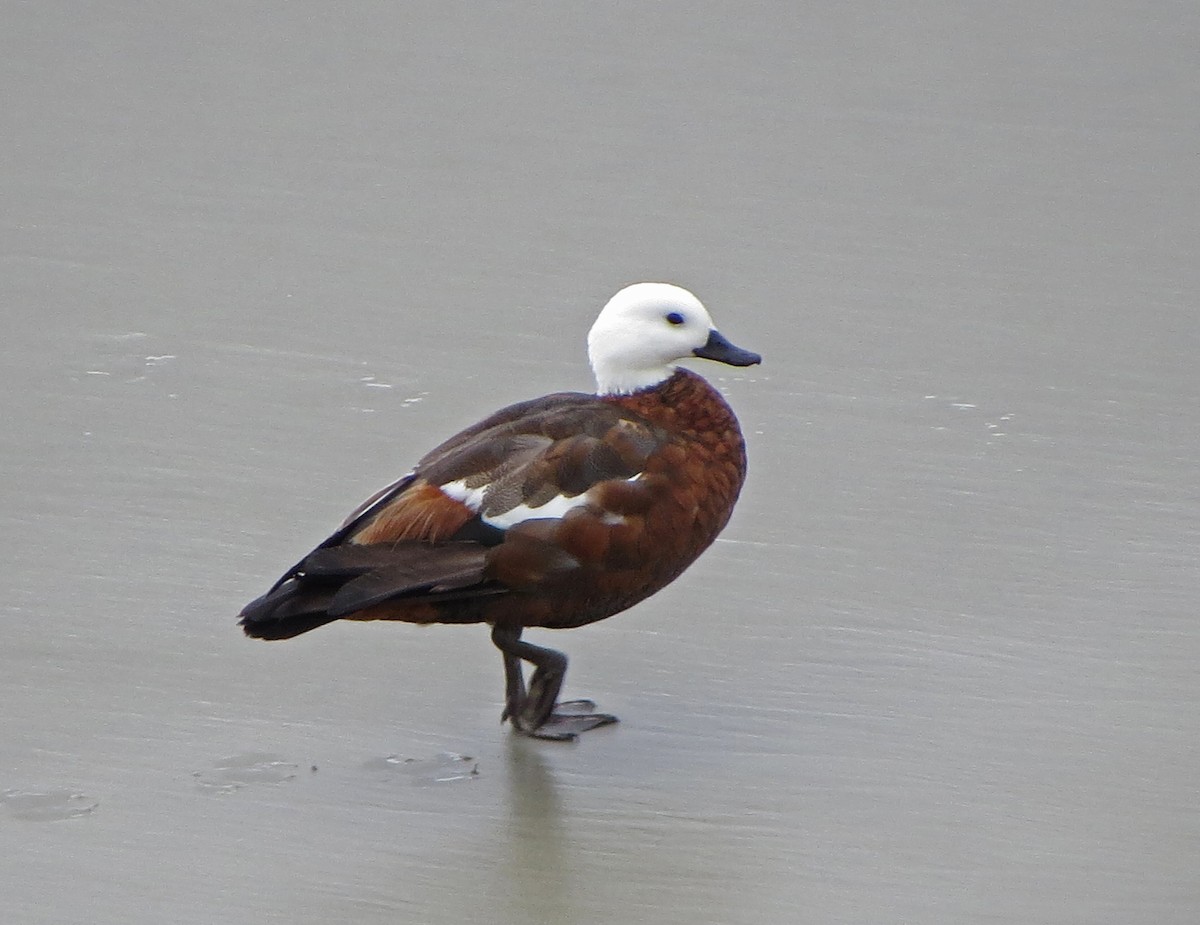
x=557, y=507
x=471, y=497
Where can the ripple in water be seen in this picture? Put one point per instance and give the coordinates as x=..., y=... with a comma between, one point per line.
x=46, y=806
x=238, y=771
x=441, y=769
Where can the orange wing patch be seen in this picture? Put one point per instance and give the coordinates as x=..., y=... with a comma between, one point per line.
x=422, y=512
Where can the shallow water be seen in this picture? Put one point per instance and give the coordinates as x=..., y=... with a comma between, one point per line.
x=939, y=668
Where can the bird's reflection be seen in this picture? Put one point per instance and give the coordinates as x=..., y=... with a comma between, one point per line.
x=537, y=849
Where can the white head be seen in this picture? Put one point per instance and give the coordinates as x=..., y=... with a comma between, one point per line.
x=644, y=329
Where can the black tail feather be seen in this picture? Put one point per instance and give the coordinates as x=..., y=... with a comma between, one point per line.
x=338, y=581
x=291, y=608
x=285, y=629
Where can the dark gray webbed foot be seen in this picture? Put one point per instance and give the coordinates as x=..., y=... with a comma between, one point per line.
x=569, y=719
x=535, y=712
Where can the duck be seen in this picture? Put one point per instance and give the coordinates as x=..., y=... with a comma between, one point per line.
x=551, y=513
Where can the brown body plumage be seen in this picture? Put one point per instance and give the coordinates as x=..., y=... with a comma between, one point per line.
x=551, y=513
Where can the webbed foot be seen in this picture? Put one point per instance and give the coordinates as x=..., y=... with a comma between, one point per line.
x=569, y=719
x=535, y=712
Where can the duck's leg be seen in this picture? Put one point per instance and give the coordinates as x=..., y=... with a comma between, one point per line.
x=536, y=712
x=514, y=684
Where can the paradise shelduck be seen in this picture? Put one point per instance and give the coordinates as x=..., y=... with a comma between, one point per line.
x=554, y=512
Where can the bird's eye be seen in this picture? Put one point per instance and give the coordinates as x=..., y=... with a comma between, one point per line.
x=674, y=318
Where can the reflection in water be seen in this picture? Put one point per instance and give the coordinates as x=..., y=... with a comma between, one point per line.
x=535, y=847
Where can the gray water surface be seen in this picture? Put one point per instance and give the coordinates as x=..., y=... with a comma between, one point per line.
x=940, y=668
